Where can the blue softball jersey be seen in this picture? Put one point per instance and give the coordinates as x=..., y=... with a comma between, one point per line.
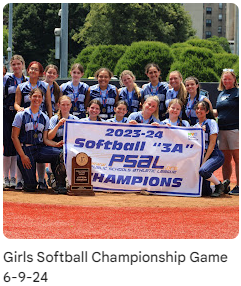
x=160, y=91
x=211, y=128
x=31, y=126
x=177, y=123
x=137, y=116
x=26, y=88
x=106, y=98
x=77, y=95
x=189, y=108
x=54, y=121
x=131, y=98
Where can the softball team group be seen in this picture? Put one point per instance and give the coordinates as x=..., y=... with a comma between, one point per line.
x=34, y=112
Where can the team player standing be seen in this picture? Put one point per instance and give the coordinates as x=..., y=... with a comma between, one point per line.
x=35, y=101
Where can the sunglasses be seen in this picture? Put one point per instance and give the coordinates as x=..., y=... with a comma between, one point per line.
x=229, y=70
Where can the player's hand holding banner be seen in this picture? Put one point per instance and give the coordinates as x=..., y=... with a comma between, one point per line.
x=130, y=158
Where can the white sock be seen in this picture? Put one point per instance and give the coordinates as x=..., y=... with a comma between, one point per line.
x=41, y=171
x=19, y=175
x=13, y=166
x=214, y=180
x=6, y=166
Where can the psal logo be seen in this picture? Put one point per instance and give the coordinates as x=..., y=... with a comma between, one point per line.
x=192, y=136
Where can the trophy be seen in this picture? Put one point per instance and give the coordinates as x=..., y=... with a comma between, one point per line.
x=81, y=176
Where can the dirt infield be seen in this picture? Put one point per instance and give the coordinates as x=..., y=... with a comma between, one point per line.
x=117, y=200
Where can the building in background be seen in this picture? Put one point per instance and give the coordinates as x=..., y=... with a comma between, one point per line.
x=215, y=19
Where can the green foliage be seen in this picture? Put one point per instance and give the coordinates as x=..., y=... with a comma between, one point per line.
x=178, y=48
x=104, y=56
x=33, y=29
x=211, y=45
x=197, y=56
x=205, y=60
x=83, y=57
x=139, y=54
x=201, y=62
x=224, y=61
x=144, y=27
x=27, y=38
x=223, y=42
x=198, y=62
x=5, y=40
x=236, y=69
x=203, y=74
x=125, y=23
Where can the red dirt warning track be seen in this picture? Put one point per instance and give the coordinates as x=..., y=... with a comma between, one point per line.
x=80, y=222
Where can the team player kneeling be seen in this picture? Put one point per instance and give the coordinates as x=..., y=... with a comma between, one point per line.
x=38, y=139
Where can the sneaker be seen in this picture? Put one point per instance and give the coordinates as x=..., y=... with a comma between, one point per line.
x=60, y=190
x=51, y=181
x=67, y=184
x=219, y=189
x=235, y=191
x=12, y=183
x=226, y=186
x=6, y=182
x=19, y=186
x=42, y=186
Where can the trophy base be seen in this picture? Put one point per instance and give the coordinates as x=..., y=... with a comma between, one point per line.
x=81, y=191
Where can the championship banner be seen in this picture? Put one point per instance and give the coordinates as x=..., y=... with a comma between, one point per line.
x=130, y=158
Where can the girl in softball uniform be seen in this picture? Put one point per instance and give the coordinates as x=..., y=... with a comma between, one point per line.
x=178, y=90
x=174, y=110
x=130, y=92
x=155, y=87
x=120, y=110
x=56, y=126
x=51, y=74
x=105, y=92
x=12, y=80
x=22, y=100
x=76, y=90
x=213, y=157
x=29, y=135
x=35, y=71
x=149, y=113
x=93, y=109
x=193, y=89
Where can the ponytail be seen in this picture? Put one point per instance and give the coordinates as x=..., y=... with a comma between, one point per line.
x=137, y=90
x=182, y=93
x=56, y=91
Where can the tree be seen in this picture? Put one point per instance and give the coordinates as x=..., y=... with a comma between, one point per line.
x=5, y=40
x=124, y=23
x=33, y=29
x=33, y=26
